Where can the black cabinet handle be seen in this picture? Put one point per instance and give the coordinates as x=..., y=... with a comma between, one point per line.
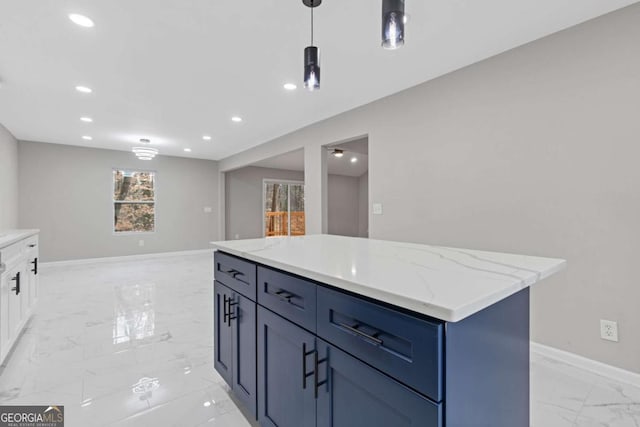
x=35, y=266
x=285, y=295
x=354, y=329
x=233, y=273
x=32, y=245
x=231, y=315
x=305, y=374
x=16, y=279
x=226, y=308
x=316, y=372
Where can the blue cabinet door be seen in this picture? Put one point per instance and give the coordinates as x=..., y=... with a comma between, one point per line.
x=353, y=394
x=243, y=327
x=222, y=334
x=285, y=393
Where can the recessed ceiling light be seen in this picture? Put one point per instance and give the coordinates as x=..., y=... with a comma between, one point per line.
x=188, y=150
x=81, y=20
x=84, y=89
x=206, y=137
x=354, y=159
x=290, y=86
x=236, y=119
x=87, y=138
x=86, y=119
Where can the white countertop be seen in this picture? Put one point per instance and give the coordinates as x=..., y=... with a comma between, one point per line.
x=9, y=237
x=446, y=283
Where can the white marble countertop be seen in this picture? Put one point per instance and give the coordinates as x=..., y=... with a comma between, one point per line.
x=446, y=283
x=9, y=237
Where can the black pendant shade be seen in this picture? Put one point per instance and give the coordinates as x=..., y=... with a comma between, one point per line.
x=392, y=24
x=311, y=68
x=311, y=55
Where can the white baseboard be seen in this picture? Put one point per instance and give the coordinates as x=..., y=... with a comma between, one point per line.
x=123, y=258
x=590, y=365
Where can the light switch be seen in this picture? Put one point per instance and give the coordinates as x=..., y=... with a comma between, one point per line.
x=207, y=209
x=377, y=208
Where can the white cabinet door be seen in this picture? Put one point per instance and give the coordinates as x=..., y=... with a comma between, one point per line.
x=12, y=294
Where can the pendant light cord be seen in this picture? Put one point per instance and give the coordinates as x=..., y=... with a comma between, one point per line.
x=312, y=22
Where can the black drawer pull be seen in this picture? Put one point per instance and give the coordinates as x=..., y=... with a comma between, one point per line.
x=35, y=266
x=354, y=329
x=32, y=245
x=233, y=273
x=285, y=296
x=16, y=279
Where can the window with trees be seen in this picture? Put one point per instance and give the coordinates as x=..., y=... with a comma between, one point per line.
x=283, y=204
x=134, y=201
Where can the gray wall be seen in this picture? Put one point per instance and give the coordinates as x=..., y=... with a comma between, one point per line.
x=67, y=192
x=347, y=205
x=363, y=205
x=8, y=180
x=343, y=201
x=244, y=199
x=534, y=151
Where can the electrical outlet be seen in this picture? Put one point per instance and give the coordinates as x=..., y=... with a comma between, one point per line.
x=140, y=242
x=377, y=208
x=609, y=330
x=207, y=209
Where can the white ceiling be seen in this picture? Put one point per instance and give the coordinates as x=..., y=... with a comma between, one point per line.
x=174, y=70
x=294, y=160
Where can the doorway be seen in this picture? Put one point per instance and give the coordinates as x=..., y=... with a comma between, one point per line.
x=283, y=208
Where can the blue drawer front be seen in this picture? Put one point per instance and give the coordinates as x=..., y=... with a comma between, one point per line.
x=405, y=347
x=352, y=394
x=289, y=296
x=236, y=273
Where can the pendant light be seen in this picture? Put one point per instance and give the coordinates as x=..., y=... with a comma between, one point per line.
x=392, y=24
x=311, y=55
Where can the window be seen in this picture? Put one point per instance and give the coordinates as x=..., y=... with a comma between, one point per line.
x=283, y=208
x=134, y=201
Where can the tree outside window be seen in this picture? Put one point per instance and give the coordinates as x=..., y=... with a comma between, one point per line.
x=134, y=200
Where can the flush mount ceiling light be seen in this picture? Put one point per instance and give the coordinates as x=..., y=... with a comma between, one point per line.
x=81, y=20
x=290, y=86
x=86, y=119
x=87, y=138
x=187, y=150
x=236, y=119
x=206, y=137
x=145, y=153
x=393, y=20
x=311, y=55
x=338, y=152
x=83, y=89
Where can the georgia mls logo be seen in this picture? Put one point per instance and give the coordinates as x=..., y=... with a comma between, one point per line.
x=31, y=416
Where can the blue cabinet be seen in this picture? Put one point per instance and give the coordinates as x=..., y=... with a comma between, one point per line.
x=303, y=354
x=285, y=373
x=222, y=343
x=235, y=343
x=352, y=394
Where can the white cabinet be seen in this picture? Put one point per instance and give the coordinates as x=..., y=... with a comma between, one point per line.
x=18, y=288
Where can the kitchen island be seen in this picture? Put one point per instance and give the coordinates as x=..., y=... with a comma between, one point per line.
x=336, y=331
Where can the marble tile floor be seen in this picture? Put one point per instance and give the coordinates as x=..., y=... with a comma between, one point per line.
x=130, y=344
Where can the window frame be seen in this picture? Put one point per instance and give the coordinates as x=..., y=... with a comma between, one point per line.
x=288, y=182
x=155, y=202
